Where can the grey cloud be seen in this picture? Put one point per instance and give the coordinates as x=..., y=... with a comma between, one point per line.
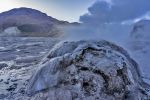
x=118, y=11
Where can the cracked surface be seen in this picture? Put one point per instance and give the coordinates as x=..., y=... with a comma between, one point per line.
x=87, y=70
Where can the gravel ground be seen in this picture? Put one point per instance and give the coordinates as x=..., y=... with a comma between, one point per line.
x=18, y=59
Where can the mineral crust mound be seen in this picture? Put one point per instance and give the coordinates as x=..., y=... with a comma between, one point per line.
x=87, y=70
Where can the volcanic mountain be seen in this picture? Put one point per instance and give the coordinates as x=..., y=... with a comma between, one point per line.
x=29, y=22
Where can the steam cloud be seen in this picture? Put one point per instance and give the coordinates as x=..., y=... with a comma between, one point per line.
x=116, y=11
x=105, y=20
x=113, y=21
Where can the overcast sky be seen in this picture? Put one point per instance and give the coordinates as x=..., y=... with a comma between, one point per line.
x=69, y=10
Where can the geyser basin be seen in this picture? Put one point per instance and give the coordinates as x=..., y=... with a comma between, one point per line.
x=87, y=70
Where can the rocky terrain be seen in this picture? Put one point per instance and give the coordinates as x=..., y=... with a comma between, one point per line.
x=19, y=57
x=87, y=70
x=84, y=70
x=32, y=68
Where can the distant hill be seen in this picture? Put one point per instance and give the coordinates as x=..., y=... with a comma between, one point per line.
x=141, y=30
x=30, y=22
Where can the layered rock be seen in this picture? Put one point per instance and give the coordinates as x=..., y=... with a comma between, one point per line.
x=87, y=70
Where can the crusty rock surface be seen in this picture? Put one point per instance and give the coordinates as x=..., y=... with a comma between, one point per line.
x=87, y=70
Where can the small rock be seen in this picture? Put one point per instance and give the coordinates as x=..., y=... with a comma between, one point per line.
x=21, y=90
x=14, y=80
x=3, y=65
x=1, y=80
x=7, y=82
x=12, y=87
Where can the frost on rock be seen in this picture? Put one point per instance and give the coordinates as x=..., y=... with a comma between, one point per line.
x=87, y=70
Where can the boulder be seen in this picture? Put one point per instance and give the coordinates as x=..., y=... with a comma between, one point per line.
x=87, y=70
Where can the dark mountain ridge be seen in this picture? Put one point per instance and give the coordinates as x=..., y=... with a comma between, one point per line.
x=29, y=20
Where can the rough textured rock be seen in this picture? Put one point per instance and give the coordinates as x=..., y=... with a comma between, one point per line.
x=87, y=70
